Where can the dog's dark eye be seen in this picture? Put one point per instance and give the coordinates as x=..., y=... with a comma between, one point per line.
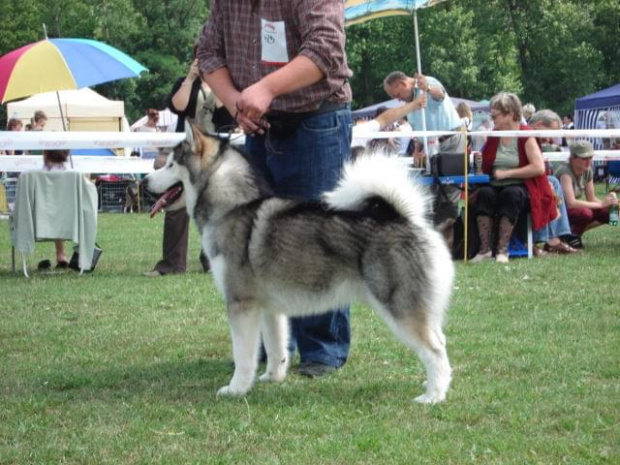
x=171, y=164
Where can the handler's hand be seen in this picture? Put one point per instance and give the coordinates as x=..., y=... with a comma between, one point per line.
x=255, y=101
x=248, y=125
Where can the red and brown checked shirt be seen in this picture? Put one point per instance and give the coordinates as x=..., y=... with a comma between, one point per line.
x=253, y=38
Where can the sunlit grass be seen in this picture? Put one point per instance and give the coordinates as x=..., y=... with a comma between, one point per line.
x=117, y=368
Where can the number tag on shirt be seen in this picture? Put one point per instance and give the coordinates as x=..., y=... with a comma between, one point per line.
x=273, y=41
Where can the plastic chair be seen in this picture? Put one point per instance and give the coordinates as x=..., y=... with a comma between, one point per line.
x=52, y=205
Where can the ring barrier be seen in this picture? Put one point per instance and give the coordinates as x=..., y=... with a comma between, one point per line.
x=49, y=140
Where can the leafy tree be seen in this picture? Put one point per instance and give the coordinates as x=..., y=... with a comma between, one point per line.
x=547, y=51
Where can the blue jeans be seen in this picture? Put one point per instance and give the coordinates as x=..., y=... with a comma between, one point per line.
x=303, y=167
x=558, y=227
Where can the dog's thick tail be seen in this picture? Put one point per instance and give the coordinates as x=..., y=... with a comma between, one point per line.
x=377, y=174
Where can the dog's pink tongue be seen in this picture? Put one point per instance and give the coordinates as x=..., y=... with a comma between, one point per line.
x=163, y=201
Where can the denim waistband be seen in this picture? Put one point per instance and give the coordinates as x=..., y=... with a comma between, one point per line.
x=325, y=107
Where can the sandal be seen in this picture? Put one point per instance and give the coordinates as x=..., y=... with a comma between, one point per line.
x=539, y=252
x=561, y=249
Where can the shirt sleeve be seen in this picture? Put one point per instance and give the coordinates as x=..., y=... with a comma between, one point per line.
x=175, y=88
x=321, y=27
x=210, y=52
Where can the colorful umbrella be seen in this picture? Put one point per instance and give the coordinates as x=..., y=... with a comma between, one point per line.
x=358, y=11
x=61, y=64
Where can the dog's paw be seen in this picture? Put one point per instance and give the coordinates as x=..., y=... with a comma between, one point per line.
x=271, y=377
x=430, y=398
x=229, y=391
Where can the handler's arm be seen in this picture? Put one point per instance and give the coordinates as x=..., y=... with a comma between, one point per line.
x=299, y=73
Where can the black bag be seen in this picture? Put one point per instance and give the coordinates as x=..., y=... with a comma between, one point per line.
x=74, y=263
x=447, y=164
x=473, y=240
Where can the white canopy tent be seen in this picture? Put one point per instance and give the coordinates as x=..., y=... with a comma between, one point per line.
x=83, y=110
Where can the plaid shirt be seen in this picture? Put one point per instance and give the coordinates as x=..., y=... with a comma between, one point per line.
x=314, y=28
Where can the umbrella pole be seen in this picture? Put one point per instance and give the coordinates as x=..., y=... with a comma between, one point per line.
x=64, y=127
x=419, y=65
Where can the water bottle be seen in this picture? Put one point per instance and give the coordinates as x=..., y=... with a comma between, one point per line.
x=613, y=215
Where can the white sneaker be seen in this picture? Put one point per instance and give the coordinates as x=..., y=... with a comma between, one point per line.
x=501, y=258
x=482, y=257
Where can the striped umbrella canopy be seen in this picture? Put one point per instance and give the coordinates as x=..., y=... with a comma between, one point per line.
x=62, y=64
x=358, y=11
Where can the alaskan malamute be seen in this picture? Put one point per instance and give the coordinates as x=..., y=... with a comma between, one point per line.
x=370, y=239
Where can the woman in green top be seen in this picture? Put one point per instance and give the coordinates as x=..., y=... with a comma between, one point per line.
x=516, y=168
x=577, y=179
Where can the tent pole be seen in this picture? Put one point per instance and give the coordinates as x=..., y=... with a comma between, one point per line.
x=419, y=65
x=64, y=127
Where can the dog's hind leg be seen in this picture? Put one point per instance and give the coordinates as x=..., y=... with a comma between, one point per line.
x=275, y=333
x=426, y=338
x=429, y=343
x=244, y=330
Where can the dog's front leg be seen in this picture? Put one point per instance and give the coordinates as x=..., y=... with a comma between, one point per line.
x=275, y=332
x=244, y=329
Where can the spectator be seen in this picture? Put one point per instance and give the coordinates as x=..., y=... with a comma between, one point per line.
x=440, y=114
x=152, y=116
x=517, y=170
x=467, y=120
x=567, y=123
x=383, y=119
x=466, y=115
x=551, y=233
x=38, y=122
x=54, y=160
x=585, y=209
x=14, y=124
x=302, y=97
x=192, y=100
x=528, y=110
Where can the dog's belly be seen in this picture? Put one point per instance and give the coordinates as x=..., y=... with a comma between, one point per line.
x=294, y=301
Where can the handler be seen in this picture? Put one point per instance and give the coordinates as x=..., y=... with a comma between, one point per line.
x=281, y=69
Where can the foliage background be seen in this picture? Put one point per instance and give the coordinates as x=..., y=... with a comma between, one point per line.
x=547, y=51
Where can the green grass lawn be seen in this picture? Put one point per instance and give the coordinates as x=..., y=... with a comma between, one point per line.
x=117, y=368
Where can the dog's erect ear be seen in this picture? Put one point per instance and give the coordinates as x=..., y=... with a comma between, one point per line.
x=202, y=144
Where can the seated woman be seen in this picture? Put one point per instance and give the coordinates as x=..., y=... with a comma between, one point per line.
x=54, y=160
x=577, y=179
x=517, y=172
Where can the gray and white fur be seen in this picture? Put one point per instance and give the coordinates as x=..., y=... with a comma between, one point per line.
x=369, y=240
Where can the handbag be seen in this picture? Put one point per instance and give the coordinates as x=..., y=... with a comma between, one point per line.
x=447, y=164
x=74, y=263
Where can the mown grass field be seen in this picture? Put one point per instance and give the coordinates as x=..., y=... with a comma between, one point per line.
x=117, y=368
